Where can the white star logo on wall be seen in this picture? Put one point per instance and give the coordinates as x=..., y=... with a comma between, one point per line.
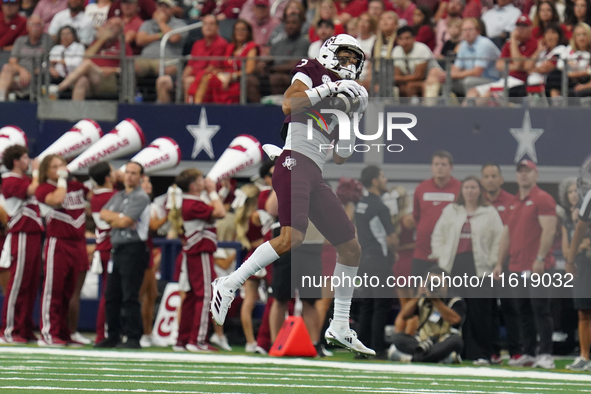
x=203, y=133
x=526, y=138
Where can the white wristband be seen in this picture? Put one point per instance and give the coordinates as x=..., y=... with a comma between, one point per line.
x=35, y=173
x=318, y=93
x=213, y=196
x=61, y=182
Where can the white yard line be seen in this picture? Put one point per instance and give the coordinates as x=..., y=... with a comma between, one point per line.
x=394, y=380
x=50, y=388
x=374, y=367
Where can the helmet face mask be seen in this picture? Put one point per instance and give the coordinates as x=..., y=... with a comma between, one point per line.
x=347, y=65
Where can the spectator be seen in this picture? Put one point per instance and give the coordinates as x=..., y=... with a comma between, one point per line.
x=277, y=73
x=576, y=246
x=378, y=240
x=367, y=33
x=422, y=26
x=25, y=59
x=325, y=29
x=581, y=14
x=263, y=24
x=465, y=241
x=73, y=16
x=149, y=37
x=65, y=57
x=500, y=21
x=545, y=16
x=558, y=6
x=210, y=45
x=128, y=214
x=375, y=8
x=576, y=56
x=348, y=9
x=46, y=10
x=411, y=64
x=521, y=45
x=441, y=316
x=98, y=12
x=352, y=27
x=451, y=46
x=294, y=7
x=97, y=76
x=475, y=64
x=545, y=59
x=26, y=8
x=432, y=5
x=473, y=9
x=145, y=9
x=226, y=9
x=325, y=10
x=405, y=10
x=247, y=11
x=224, y=85
x=12, y=25
x=454, y=12
x=132, y=23
x=527, y=239
x=386, y=36
x=442, y=189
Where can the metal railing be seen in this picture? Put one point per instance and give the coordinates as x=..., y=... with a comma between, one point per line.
x=381, y=83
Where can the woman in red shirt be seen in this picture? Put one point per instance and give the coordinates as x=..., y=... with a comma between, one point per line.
x=546, y=13
x=223, y=85
x=422, y=24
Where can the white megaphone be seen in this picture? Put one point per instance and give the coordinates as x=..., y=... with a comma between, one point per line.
x=11, y=135
x=161, y=154
x=244, y=152
x=127, y=137
x=75, y=141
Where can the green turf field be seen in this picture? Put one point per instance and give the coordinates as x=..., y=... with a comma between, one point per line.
x=35, y=370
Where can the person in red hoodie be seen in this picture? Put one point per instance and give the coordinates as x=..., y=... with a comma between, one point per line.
x=431, y=196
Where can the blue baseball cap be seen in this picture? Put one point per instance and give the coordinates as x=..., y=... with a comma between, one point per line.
x=10, y=1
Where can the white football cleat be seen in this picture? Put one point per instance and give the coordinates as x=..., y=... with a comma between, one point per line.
x=221, y=299
x=272, y=151
x=348, y=340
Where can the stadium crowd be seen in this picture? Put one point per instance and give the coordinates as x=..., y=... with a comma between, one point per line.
x=448, y=227
x=525, y=46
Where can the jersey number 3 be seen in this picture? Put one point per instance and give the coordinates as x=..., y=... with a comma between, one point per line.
x=303, y=63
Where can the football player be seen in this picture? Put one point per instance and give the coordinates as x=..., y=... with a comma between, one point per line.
x=301, y=190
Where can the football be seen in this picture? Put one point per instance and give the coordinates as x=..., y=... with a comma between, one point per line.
x=344, y=102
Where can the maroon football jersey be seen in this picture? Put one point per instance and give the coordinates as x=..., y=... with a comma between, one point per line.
x=200, y=231
x=313, y=74
x=67, y=220
x=103, y=231
x=22, y=210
